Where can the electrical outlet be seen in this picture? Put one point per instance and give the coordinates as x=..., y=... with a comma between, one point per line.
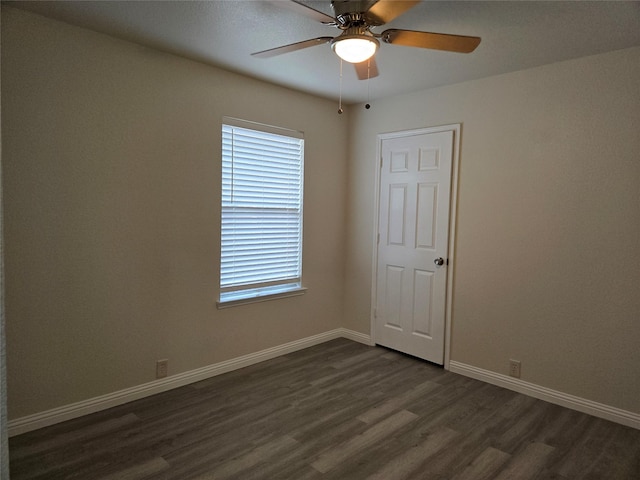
x=514, y=368
x=162, y=366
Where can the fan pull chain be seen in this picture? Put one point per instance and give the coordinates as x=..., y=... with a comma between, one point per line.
x=367, y=105
x=340, y=110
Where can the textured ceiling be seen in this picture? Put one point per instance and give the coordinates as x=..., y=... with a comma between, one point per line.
x=515, y=35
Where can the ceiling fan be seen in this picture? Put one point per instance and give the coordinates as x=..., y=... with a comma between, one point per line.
x=357, y=44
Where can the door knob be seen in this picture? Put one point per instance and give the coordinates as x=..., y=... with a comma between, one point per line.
x=439, y=261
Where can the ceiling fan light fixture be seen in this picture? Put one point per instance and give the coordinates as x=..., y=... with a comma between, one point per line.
x=355, y=48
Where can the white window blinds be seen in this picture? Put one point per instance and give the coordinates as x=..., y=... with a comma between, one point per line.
x=261, y=244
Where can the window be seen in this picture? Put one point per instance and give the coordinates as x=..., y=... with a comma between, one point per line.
x=261, y=239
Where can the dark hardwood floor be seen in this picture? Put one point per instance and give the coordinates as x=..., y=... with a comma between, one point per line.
x=340, y=410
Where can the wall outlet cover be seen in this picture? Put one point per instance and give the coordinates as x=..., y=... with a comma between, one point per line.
x=162, y=367
x=514, y=368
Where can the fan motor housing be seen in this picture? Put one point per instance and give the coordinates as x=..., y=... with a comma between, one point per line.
x=349, y=12
x=357, y=31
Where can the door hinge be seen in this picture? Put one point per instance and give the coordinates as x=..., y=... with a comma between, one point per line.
x=378, y=240
x=381, y=160
x=375, y=312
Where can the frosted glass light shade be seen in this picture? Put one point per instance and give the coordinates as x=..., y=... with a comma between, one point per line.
x=355, y=49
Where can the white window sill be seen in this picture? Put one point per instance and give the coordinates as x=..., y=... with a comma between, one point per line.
x=245, y=298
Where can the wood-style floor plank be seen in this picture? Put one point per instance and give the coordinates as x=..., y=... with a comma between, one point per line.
x=336, y=411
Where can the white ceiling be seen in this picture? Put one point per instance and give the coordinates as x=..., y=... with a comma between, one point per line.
x=515, y=35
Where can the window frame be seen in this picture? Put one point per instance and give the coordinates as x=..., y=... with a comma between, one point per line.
x=238, y=295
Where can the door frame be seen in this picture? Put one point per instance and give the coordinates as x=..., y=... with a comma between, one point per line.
x=453, y=209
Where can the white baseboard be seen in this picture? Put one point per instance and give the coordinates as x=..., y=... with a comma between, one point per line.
x=356, y=336
x=96, y=404
x=596, y=409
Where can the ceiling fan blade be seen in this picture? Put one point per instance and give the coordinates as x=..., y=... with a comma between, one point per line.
x=367, y=69
x=302, y=9
x=435, y=41
x=292, y=47
x=384, y=11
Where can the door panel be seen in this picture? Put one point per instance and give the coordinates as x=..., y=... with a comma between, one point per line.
x=422, y=300
x=426, y=215
x=393, y=295
x=413, y=221
x=397, y=214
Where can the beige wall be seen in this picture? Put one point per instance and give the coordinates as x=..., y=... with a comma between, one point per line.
x=4, y=443
x=111, y=158
x=547, y=268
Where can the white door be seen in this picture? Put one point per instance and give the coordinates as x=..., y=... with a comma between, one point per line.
x=413, y=226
